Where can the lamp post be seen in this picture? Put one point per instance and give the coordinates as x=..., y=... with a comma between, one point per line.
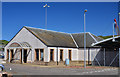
x=113, y=33
x=46, y=6
x=84, y=40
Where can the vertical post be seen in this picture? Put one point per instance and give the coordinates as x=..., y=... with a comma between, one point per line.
x=88, y=56
x=113, y=30
x=14, y=50
x=32, y=55
x=9, y=55
x=46, y=6
x=22, y=55
x=92, y=58
x=1, y=19
x=84, y=41
x=113, y=33
x=46, y=18
x=57, y=55
x=104, y=56
x=119, y=57
x=84, y=44
x=39, y=55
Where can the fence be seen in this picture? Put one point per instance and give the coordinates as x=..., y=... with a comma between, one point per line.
x=105, y=58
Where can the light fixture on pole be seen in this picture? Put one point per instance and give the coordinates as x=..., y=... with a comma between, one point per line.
x=84, y=40
x=46, y=6
x=113, y=34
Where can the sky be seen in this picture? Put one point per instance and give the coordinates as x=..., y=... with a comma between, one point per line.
x=65, y=17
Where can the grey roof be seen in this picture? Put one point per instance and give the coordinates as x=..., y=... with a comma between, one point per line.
x=60, y=39
x=90, y=38
x=97, y=38
x=52, y=38
x=109, y=42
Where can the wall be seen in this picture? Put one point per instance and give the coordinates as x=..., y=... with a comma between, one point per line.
x=77, y=54
x=65, y=53
x=25, y=36
x=89, y=52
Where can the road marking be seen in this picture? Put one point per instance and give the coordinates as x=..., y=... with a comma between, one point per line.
x=104, y=70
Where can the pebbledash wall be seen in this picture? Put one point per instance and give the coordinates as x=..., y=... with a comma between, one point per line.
x=35, y=43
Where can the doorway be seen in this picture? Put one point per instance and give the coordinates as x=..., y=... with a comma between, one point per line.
x=11, y=55
x=61, y=54
x=51, y=54
x=42, y=54
x=70, y=54
x=37, y=54
x=25, y=56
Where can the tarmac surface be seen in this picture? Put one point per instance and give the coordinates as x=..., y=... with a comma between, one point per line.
x=1, y=61
x=27, y=69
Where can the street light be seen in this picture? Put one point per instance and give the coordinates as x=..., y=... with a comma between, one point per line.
x=84, y=40
x=46, y=6
x=113, y=33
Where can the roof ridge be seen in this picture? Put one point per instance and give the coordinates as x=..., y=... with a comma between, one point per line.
x=80, y=33
x=55, y=31
x=46, y=30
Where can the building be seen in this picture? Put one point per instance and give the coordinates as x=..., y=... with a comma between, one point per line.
x=38, y=45
x=1, y=51
x=109, y=55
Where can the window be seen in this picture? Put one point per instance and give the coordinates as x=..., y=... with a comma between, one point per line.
x=61, y=54
x=37, y=54
x=51, y=54
x=70, y=54
x=41, y=54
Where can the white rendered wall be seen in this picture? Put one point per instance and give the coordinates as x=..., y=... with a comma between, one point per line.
x=25, y=36
x=65, y=53
x=92, y=53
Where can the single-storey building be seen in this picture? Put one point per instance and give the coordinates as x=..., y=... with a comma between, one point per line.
x=39, y=45
x=1, y=51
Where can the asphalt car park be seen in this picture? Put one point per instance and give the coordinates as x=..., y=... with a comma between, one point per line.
x=26, y=69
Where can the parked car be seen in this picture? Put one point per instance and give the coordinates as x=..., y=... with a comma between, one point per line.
x=1, y=56
x=2, y=68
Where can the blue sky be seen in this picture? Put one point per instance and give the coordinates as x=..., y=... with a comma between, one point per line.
x=62, y=16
